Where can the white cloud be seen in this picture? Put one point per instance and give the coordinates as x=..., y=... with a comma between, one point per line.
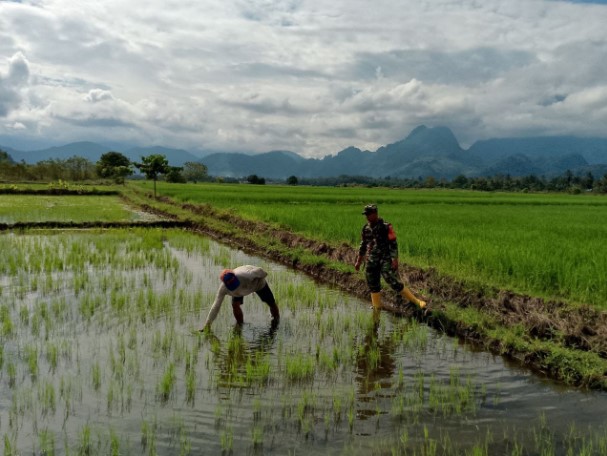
x=18, y=70
x=97, y=95
x=12, y=83
x=306, y=75
x=15, y=126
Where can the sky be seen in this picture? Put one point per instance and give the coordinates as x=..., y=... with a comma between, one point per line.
x=310, y=76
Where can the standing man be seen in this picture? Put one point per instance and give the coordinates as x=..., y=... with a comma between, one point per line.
x=379, y=246
x=239, y=283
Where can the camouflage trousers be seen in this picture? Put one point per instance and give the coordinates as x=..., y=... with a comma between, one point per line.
x=382, y=267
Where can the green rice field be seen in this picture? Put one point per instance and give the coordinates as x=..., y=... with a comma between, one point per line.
x=81, y=208
x=100, y=355
x=547, y=245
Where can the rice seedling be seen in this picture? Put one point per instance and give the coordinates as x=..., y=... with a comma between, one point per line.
x=148, y=436
x=227, y=440
x=46, y=397
x=328, y=361
x=115, y=398
x=31, y=354
x=167, y=381
x=10, y=448
x=351, y=416
x=336, y=402
x=190, y=385
x=543, y=438
x=257, y=436
x=11, y=372
x=46, y=442
x=85, y=444
x=6, y=323
x=419, y=384
x=52, y=353
x=117, y=367
x=300, y=367
x=185, y=446
x=114, y=444
x=257, y=369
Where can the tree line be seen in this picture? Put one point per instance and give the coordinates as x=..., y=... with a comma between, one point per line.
x=111, y=165
x=117, y=167
x=567, y=182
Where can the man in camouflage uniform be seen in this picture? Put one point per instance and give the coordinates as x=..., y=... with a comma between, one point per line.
x=380, y=248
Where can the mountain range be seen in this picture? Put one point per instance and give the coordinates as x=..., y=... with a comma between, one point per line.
x=424, y=152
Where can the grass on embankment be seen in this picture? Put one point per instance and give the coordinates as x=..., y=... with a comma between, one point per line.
x=548, y=357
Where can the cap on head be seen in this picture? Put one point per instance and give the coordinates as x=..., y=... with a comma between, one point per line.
x=370, y=209
x=229, y=279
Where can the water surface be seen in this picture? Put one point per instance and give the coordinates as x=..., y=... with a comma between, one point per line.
x=102, y=354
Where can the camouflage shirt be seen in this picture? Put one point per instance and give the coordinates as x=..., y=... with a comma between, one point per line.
x=378, y=241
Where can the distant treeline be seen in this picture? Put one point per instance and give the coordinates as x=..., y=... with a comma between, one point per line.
x=567, y=182
x=78, y=169
x=73, y=169
x=111, y=166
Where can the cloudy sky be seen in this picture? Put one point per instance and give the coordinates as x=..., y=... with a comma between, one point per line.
x=310, y=76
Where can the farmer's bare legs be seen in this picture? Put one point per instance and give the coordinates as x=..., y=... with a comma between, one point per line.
x=267, y=296
x=236, y=303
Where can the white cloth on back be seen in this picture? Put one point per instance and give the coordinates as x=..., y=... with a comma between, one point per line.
x=251, y=278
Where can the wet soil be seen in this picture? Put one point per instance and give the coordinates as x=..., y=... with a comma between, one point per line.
x=84, y=225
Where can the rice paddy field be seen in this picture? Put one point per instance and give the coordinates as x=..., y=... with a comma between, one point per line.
x=81, y=208
x=100, y=354
x=546, y=245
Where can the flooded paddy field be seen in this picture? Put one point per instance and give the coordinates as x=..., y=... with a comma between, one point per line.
x=100, y=354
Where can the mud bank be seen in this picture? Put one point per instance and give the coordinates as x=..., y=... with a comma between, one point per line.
x=552, y=337
x=88, y=225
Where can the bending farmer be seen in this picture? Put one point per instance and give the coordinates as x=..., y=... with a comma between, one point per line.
x=238, y=283
x=379, y=247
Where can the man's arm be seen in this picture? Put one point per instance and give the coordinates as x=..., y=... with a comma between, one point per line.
x=393, y=246
x=362, y=250
x=221, y=293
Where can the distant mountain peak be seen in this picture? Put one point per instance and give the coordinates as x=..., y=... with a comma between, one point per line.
x=349, y=151
x=286, y=153
x=435, y=141
x=416, y=131
x=77, y=144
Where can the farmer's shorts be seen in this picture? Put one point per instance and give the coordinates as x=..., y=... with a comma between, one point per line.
x=265, y=294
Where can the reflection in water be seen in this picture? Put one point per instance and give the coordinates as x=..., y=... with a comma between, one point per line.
x=241, y=363
x=374, y=359
x=375, y=364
